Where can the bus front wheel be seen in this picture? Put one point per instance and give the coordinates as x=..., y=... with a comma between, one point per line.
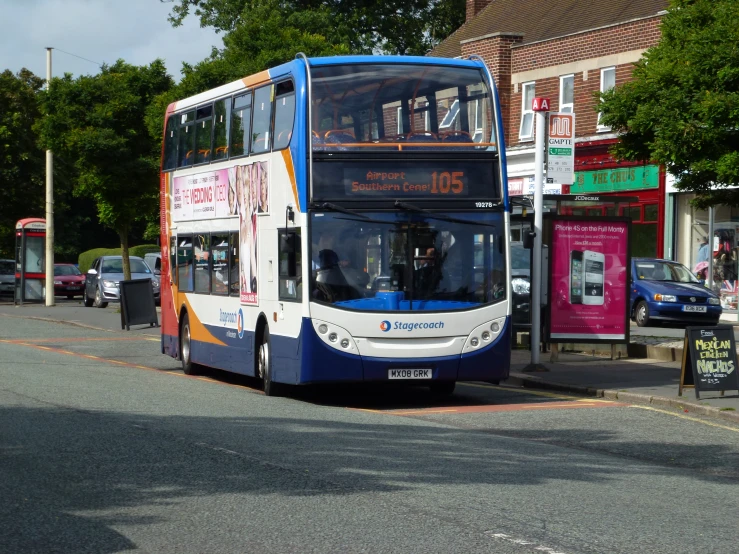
x=264, y=364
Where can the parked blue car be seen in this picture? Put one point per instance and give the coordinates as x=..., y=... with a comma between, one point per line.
x=662, y=290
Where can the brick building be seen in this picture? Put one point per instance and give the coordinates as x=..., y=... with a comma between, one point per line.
x=567, y=51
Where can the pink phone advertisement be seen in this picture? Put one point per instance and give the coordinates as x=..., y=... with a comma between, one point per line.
x=589, y=290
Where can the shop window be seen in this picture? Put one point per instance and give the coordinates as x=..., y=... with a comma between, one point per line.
x=567, y=93
x=233, y=263
x=526, y=131
x=595, y=211
x=651, y=212
x=610, y=212
x=201, y=254
x=634, y=212
x=290, y=265
x=219, y=275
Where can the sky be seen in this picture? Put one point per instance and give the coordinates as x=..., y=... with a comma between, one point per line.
x=101, y=31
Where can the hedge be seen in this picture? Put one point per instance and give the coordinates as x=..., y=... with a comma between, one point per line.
x=86, y=258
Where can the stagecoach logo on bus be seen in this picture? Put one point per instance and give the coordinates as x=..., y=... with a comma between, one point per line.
x=232, y=318
x=386, y=326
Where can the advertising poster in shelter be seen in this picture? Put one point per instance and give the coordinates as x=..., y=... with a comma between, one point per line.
x=249, y=187
x=589, y=280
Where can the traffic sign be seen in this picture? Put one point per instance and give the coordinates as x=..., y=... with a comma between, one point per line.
x=561, y=148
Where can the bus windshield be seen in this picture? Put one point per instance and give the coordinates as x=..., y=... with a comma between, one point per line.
x=382, y=106
x=407, y=261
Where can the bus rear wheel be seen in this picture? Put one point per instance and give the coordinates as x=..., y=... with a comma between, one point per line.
x=264, y=364
x=188, y=367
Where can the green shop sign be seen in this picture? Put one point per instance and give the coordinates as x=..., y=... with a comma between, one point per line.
x=616, y=180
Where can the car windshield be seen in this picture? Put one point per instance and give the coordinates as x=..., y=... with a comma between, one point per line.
x=381, y=261
x=115, y=265
x=384, y=107
x=7, y=267
x=664, y=271
x=60, y=270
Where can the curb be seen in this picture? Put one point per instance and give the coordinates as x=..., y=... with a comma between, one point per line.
x=621, y=396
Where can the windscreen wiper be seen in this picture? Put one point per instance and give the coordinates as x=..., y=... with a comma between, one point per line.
x=336, y=208
x=435, y=215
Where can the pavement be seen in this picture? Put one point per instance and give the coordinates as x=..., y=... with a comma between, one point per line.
x=652, y=381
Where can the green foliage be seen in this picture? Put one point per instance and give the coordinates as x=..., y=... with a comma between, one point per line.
x=363, y=26
x=98, y=125
x=682, y=107
x=22, y=162
x=85, y=259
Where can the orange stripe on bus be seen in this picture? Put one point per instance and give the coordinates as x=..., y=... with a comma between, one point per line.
x=288, y=157
x=255, y=79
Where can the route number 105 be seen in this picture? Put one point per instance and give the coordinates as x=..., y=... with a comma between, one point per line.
x=445, y=182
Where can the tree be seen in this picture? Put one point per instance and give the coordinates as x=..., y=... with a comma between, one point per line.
x=22, y=162
x=97, y=124
x=682, y=107
x=364, y=26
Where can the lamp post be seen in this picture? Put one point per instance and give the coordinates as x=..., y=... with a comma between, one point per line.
x=49, y=296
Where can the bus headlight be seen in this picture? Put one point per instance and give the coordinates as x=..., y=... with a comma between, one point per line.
x=335, y=336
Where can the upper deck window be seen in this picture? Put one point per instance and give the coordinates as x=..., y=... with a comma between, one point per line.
x=384, y=107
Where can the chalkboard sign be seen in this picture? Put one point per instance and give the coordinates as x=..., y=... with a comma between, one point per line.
x=709, y=360
x=137, y=304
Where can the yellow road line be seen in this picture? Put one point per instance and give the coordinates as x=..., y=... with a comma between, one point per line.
x=521, y=390
x=681, y=416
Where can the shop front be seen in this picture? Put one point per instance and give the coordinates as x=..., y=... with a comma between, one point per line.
x=694, y=247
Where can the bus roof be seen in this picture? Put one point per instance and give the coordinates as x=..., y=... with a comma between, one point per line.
x=285, y=69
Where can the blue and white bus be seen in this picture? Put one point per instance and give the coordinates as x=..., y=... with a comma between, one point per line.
x=339, y=219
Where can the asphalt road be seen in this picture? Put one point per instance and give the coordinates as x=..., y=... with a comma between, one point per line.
x=107, y=447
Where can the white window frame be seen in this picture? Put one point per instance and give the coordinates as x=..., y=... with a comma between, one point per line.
x=566, y=107
x=603, y=72
x=527, y=134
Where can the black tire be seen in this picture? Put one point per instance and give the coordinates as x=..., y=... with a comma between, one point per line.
x=99, y=303
x=188, y=367
x=444, y=388
x=264, y=365
x=88, y=301
x=641, y=314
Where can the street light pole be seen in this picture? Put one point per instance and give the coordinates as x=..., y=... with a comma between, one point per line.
x=49, y=204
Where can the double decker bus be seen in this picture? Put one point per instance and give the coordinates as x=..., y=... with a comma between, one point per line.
x=339, y=219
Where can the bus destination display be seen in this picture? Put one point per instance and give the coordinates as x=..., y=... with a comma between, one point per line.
x=407, y=183
x=422, y=179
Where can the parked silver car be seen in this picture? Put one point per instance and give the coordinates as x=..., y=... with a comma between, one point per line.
x=7, y=277
x=101, y=281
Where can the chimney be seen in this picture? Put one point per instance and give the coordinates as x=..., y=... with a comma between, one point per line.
x=474, y=7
